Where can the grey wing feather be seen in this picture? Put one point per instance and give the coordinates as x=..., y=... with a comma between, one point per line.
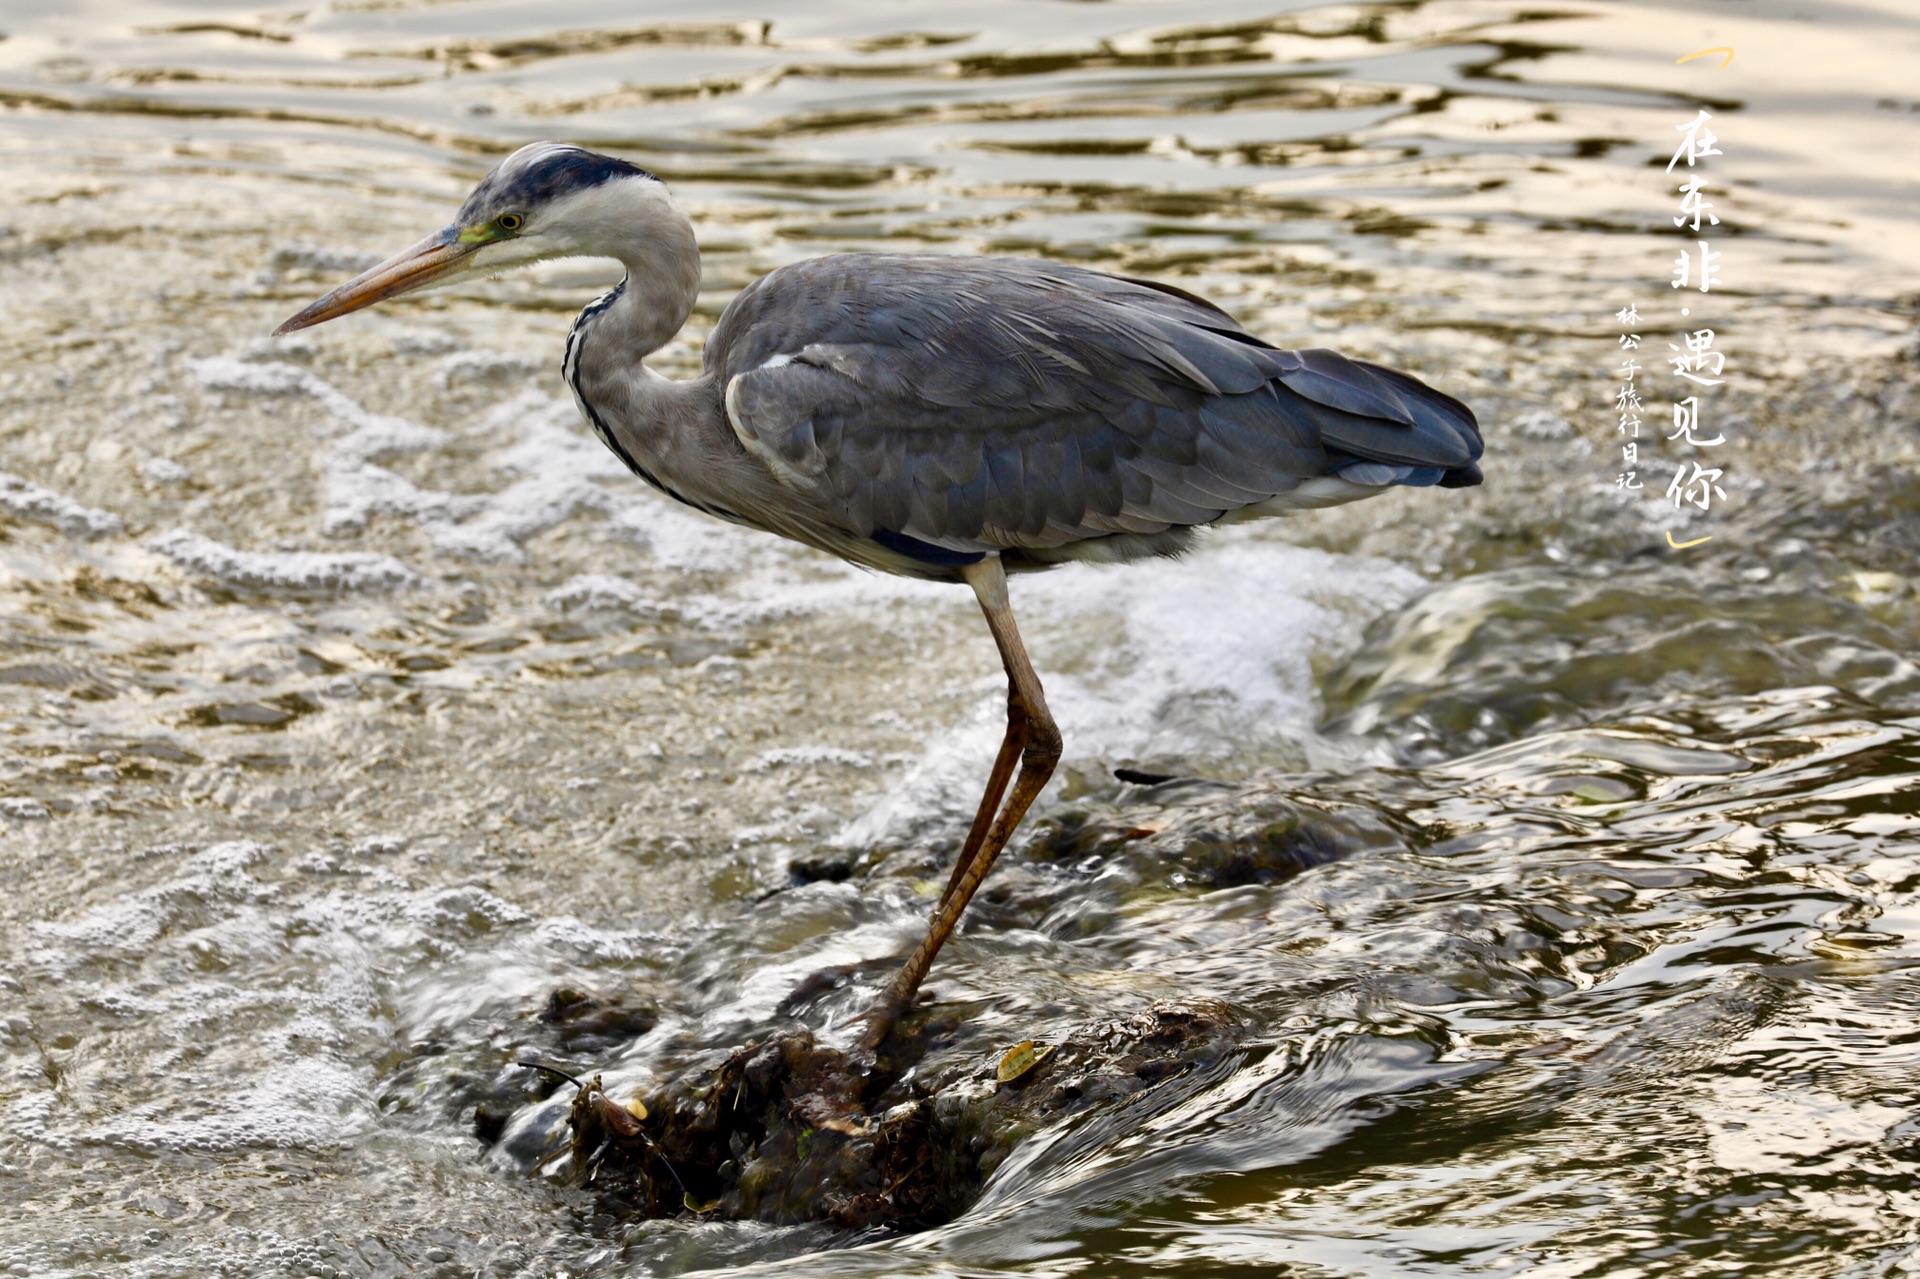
x=987, y=404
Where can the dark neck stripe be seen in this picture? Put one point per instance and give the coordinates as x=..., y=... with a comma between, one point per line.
x=570, y=370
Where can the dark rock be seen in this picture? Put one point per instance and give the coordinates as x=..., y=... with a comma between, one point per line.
x=830, y=867
x=783, y=1130
x=586, y=1022
x=490, y=1121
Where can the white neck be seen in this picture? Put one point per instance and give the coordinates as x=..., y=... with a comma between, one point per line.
x=654, y=240
x=658, y=426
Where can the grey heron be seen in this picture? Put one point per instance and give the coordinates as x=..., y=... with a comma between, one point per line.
x=948, y=418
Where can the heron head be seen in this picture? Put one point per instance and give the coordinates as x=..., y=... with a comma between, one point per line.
x=546, y=200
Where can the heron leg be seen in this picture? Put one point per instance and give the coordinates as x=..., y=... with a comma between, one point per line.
x=1034, y=739
x=1011, y=747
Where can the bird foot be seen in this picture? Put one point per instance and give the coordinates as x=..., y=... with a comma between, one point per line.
x=876, y=1024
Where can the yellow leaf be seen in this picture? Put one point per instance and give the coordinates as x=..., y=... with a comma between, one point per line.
x=1020, y=1059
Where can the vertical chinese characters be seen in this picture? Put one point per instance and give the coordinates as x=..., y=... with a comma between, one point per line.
x=1626, y=400
x=1695, y=359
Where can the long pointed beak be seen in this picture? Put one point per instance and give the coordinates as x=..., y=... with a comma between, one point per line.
x=439, y=255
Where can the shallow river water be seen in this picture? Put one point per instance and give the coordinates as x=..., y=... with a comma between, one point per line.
x=353, y=699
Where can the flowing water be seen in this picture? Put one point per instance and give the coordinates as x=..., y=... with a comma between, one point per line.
x=353, y=699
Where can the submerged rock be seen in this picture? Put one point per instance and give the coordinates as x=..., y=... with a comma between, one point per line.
x=789, y=1130
x=584, y=1021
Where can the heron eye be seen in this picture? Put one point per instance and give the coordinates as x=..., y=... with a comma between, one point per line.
x=509, y=221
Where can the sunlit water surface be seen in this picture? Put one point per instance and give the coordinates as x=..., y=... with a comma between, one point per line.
x=354, y=699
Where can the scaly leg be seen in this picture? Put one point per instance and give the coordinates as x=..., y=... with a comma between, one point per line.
x=1010, y=747
x=1031, y=733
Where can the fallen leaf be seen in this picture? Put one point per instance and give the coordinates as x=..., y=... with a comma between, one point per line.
x=1020, y=1059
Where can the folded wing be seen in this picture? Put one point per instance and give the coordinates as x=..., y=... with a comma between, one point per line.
x=990, y=404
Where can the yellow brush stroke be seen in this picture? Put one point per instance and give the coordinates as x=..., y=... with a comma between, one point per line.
x=1681, y=546
x=1724, y=62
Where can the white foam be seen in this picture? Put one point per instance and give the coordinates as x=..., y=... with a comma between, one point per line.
x=599, y=593
x=560, y=471
x=279, y=1044
x=288, y=1109
x=424, y=342
x=384, y=435
x=788, y=581
x=300, y=572
x=477, y=366
x=28, y=501
x=1229, y=634
x=1542, y=424
x=462, y=908
x=808, y=757
x=130, y=924
x=1200, y=658
x=165, y=471
x=676, y=537
x=291, y=346
x=358, y=491
x=224, y=373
